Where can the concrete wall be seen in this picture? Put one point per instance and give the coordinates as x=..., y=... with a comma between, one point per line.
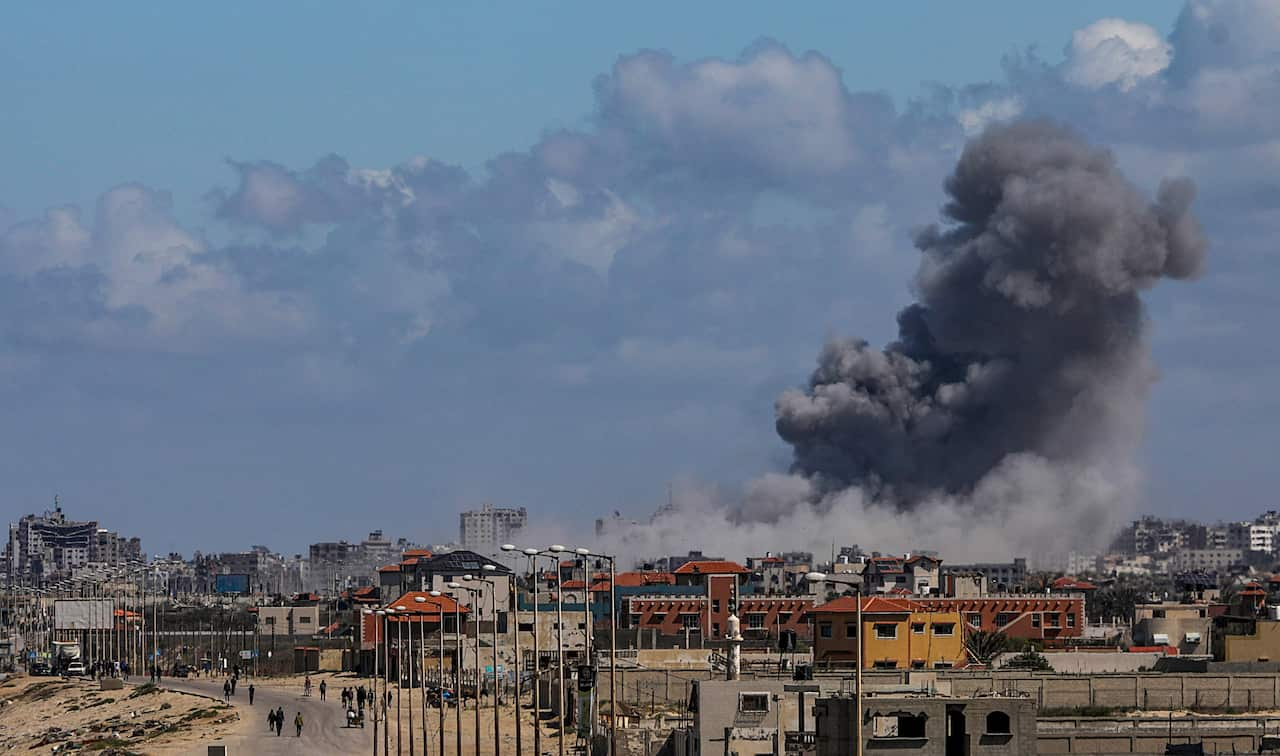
x=961, y=721
x=1091, y=663
x=1149, y=691
x=1150, y=734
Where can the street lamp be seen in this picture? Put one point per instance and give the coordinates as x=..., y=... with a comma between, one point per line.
x=388, y=613
x=458, y=661
x=532, y=555
x=421, y=661
x=400, y=657
x=477, y=594
x=562, y=698
x=821, y=577
x=497, y=685
x=613, y=646
x=439, y=669
x=377, y=631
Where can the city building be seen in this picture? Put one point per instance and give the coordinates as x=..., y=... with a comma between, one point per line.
x=1184, y=627
x=48, y=547
x=1052, y=620
x=897, y=633
x=1207, y=560
x=487, y=528
x=928, y=725
x=1001, y=577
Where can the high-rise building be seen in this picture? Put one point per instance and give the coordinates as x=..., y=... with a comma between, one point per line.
x=487, y=528
x=49, y=546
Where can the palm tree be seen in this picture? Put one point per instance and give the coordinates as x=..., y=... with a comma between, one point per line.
x=984, y=646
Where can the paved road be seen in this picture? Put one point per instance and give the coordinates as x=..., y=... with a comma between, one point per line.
x=324, y=732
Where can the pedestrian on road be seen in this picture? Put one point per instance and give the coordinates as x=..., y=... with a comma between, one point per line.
x=297, y=722
x=323, y=688
x=251, y=694
x=226, y=691
x=306, y=685
x=271, y=719
x=233, y=686
x=279, y=720
x=360, y=697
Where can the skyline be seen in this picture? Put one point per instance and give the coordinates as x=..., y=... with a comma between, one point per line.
x=609, y=304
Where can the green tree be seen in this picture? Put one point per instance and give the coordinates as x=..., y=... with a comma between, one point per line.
x=984, y=646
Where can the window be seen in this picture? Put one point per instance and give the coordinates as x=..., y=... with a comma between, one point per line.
x=657, y=618
x=753, y=702
x=944, y=629
x=824, y=629
x=1035, y=620
x=998, y=723
x=689, y=621
x=755, y=621
x=635, y=620
x=885, y=631
x=784, y=617
x=715, y=605
x=1004, y=618
x=1157, y=614
x=525, y=627
x=974, y=619
x=943, y=665
x=898, y=725
x=917, y=663
x=1071, y=619
x=715, y=628
x=917, y=628
x=304, y=619
x=886, y=664
x=851, y=629
x=1051, y=619
x=269, y=620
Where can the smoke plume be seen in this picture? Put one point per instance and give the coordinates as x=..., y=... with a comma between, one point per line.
x=1005, y=417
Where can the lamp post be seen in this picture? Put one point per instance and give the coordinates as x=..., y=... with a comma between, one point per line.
x=400, y=658
x=532, y=555
x=377, y=626
x=439, y=668
x=477, y=598
x=388, y=613
x=555, y=550
x=421, y=660
x=613, y=647
x=820, y=577
x=497, y=685
x=457, y=672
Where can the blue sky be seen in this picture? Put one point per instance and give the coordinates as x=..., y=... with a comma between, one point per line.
x=334, y=270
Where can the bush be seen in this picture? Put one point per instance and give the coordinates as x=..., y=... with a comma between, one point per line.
x=1029, y=660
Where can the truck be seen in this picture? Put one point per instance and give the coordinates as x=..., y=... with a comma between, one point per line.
x=64, y=653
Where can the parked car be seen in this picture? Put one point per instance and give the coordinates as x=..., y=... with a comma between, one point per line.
x=39, y=669
x=183, y=670
x=75, y=669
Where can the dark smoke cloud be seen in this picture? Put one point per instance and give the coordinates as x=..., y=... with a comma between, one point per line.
x=1028, y=336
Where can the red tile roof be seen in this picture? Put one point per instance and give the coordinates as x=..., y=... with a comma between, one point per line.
x=432, y=606
x=570, y=585
x=637, y=579
x=601, y=586
x=1072, y=584
x=871, y=605
x=424, y=553
x=711, y=568
x=389, y=568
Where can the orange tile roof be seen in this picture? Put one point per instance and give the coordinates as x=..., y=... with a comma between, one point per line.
x=424, y=553
x=870, y=605
x=1071, y=584
x=637, y=579
x=570, y=585
x=389, y=568
x=601, y=586
x=711, y=568
x=432, y=605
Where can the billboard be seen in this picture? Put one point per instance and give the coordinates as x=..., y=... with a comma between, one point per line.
x=83, y=614
x=231, y=583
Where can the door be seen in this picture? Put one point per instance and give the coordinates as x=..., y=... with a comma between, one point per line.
x=957, y=743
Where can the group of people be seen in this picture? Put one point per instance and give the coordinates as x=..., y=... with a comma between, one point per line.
x=275, y=721
x=100, y=669
x=355, y=697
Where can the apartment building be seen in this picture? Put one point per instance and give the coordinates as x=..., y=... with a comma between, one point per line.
x=1206, y=560
x=487, y=528
x=897, y=633
x=1052, y=620
x=48, y=546
x=1001, y=577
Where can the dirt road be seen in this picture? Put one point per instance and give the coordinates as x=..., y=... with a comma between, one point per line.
x=323, y=733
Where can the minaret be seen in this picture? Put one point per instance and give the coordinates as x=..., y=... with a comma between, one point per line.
x=734, y=667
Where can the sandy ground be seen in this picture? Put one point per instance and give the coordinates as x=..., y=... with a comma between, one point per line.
x=289, y=690
x=48, y=714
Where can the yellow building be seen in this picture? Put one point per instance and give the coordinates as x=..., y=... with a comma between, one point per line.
x=897, y=633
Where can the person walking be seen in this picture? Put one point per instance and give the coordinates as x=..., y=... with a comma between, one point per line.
x=323, y=688
x=251, y=694
x=360, y=697
x=306, y=686
x=271, y=719
x=279, y=720
x=297, y=722
x=233, y=686
x=226, y=691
